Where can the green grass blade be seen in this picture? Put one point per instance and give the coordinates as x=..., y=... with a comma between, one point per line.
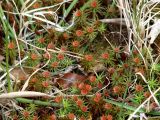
x=37, y=102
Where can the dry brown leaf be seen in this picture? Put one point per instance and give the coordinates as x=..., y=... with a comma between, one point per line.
x=19, y=74
x=98, y=67
x=69, y=79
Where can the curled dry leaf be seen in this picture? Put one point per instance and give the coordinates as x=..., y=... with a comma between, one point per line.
x=69, y=79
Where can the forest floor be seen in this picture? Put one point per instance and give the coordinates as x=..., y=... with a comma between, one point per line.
x=79, y=60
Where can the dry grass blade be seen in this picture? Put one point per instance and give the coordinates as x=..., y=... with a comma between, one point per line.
x=115, y=20
x=23, y=94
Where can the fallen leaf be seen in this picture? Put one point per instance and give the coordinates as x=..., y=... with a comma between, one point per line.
x=69, y=79
x=18, y=74
x=98, y=67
